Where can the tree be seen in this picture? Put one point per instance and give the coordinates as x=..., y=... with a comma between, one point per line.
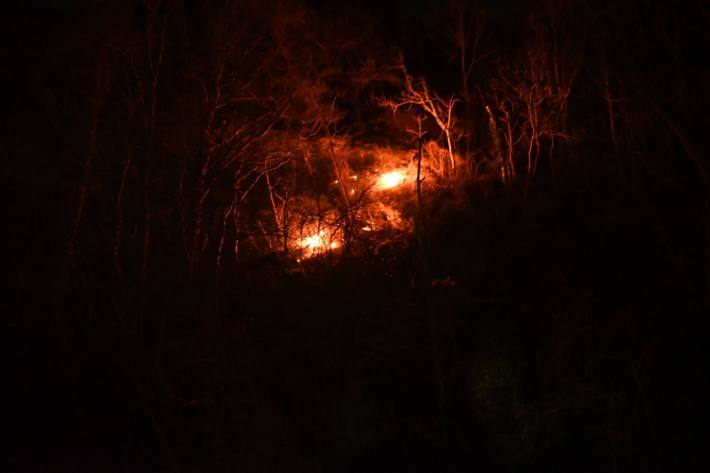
x=416, y=93
x=466, y=31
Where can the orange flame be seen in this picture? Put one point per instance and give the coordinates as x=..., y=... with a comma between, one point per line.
x=313, y=242
x=318, y=243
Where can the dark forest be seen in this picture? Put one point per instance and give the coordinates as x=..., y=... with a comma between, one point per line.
x=361, y=236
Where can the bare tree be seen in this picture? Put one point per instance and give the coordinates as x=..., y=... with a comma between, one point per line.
x=532, y=94
x=466, y=32
x=417, y=93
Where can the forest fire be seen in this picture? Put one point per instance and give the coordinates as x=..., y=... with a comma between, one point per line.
x=356, y=236
x=390, y=180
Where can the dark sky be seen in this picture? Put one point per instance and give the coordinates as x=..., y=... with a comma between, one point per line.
x=407, y=6
x=47, y=4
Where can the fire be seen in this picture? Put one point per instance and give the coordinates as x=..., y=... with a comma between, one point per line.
x=319, y=243
x=390, y=180
x=314, y=242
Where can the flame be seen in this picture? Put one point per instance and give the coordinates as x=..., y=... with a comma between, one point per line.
x=313, y=242
x=391, y=179
x=318, y=243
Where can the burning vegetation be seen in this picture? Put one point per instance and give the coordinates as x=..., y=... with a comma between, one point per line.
x=341, y=191
x=327, y=235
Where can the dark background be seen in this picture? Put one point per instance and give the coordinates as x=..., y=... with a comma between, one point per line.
x=550, y=322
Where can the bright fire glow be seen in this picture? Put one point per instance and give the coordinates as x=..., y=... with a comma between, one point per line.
x=318, y=243
x=314, y=242
x=391, y=179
